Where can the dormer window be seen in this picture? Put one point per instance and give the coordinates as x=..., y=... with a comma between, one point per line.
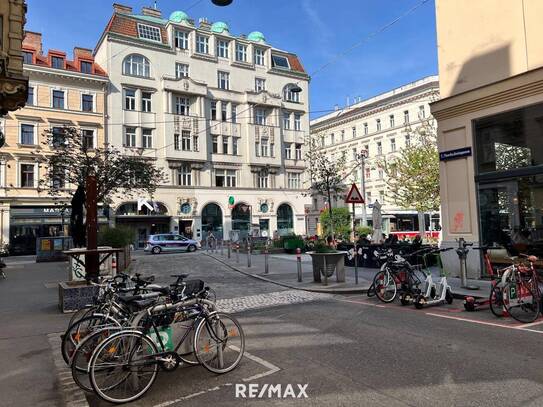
x=27, y=57
x=57, y=62
x=149, y=32
x=279, y=61
x=86, y=67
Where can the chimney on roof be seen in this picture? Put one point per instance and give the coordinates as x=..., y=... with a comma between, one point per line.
x=82, y=53
x=204, y=24
x=120, y=8
x=151, y=12
x=33, y=40
x=336, y=107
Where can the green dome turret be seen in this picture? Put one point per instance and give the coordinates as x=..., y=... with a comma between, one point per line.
x=256, y=36
x=179, y=17
x=220, y=27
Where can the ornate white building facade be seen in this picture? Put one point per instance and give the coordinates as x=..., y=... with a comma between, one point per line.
x=215, y=111
x=379, y=125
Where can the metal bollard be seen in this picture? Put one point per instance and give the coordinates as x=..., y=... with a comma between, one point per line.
x=248, y=255
x=228, y=249
x=222, y=248
x=237, y=253
x=299, y=263
x=355, y=264
x=325, y=271
x=266, y=264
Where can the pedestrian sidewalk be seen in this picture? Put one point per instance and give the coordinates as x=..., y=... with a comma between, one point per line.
x=283, y=271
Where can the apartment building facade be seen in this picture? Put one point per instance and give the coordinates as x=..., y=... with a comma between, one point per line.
x=61, y=92
x=380, y=126
x=217, y=113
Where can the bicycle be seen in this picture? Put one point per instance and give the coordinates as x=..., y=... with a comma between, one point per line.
x=134, y=356
x=396, y=275
x=79, y=360
x=521, y=295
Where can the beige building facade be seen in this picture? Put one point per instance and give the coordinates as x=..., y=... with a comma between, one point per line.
x=381, y=126
x=490, y=119
x=62, y=92
x=215, y=111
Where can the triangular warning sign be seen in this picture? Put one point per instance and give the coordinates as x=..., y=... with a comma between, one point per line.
x=354, y=195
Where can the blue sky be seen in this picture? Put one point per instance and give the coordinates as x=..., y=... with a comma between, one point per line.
x=316, y=30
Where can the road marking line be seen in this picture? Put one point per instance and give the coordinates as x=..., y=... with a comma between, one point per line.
x=271, y=370
x=531, y=324
x=365, y=303
x=515, y=327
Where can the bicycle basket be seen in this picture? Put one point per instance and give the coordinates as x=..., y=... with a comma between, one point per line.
x=193, y=287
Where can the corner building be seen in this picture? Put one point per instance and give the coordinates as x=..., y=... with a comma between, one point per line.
x=61, y=92
x=215, y=111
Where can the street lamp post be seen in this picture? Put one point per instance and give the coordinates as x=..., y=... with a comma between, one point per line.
x=361, y=158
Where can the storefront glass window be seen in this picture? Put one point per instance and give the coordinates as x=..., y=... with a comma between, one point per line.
x=510, y=140
x=509, y=156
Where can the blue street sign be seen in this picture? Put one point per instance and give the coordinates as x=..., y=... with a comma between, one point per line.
x=454, y=154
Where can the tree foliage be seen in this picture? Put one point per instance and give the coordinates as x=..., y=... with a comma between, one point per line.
x=72, y=161
x=341, y=222
x=327, y=175
x=413, y=173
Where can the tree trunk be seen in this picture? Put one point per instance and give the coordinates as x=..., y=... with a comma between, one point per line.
x=331, y=213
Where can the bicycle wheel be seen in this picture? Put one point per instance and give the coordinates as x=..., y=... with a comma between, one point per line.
x=385, y=286
x=219, y=343
x=123, y=367
x=82, y=313
x=521, y=301
x=83, y=353
x=371, y=290
x=79, y=330
x=496, y=300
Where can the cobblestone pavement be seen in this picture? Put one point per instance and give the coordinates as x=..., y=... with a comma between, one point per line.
x=253, y=302
x=226, y=282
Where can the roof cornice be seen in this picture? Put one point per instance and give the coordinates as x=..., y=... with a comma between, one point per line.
x=66, y=74
x=369, y=110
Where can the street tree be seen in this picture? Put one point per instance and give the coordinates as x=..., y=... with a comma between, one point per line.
x=342, y=222
x=412, y=175
x=327, y=176
x=73, y=157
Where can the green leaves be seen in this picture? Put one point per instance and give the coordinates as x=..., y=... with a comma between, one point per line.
x=413, y=174
x=72, y=159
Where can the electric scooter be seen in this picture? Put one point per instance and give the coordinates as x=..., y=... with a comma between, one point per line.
x=435, y=293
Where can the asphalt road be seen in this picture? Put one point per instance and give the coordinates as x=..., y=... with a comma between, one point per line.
x=348, y=350
x=351, y=351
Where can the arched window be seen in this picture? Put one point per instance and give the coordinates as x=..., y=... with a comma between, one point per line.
x=285, y=220
x=290, y=96
x=136, y=65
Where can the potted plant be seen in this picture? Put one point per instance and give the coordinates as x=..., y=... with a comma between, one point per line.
x=326, y=260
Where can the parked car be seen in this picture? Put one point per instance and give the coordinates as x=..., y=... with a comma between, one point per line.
x=169, y=242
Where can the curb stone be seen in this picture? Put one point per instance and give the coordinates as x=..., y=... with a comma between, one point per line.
x=362, y=290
